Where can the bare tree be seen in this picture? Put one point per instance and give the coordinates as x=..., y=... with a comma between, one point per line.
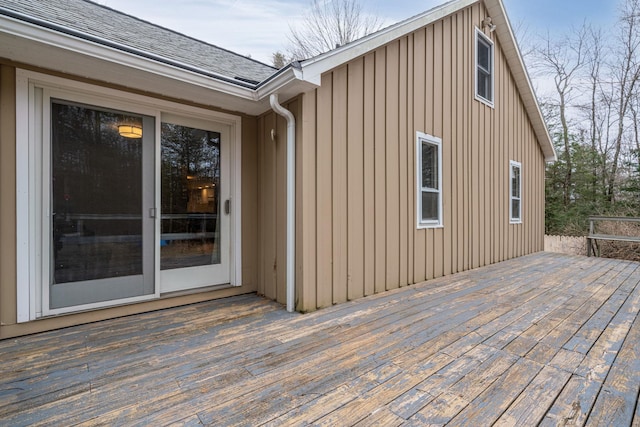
x=598, y=108
x=594, y=64
x=626, y=74
x=564, y=60
x=594, y=109
x=328, y=24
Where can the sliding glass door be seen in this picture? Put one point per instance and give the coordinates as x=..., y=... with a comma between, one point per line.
x=101, y=222
x=104, y=205
x=124, y=198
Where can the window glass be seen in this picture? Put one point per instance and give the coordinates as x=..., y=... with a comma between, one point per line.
x=484, y=54
x=429, y=165
x=515, y=209
x=190, y=233
x=484, y=84
x=430, y=206
x=484, y=67
x=515, y=181
x=429, y=197
x=96, y=182
x=515, y=191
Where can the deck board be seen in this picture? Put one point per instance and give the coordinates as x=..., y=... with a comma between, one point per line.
x=544, y=339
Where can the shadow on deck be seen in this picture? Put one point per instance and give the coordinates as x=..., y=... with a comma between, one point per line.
x=546, y=338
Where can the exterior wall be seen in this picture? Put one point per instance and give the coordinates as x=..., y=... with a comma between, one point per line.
x=272, y=200
x=356, y=168
x=7, y=198
x=8, y=325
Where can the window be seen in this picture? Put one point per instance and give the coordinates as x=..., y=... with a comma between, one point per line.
x=515, y=192
x=429, y=180
x=484, y=68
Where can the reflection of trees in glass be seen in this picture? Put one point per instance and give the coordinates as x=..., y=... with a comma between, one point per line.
x=190, y=162
x=429, y=166
x=96, y=194
x=190, y=203
x=91, y=161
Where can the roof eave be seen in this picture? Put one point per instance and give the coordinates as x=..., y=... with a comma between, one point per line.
x=288, y=82
x=35, y=45
x=314, y=68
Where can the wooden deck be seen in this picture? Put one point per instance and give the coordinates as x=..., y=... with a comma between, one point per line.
x=545, y=339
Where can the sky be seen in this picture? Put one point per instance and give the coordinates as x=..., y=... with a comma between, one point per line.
x=258, y=28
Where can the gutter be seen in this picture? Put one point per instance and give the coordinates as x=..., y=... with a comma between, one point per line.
x=291, y=198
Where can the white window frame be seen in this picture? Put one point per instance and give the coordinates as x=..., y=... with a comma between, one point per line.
x=481, y=36
x=30, y=223
x=512, y=165
x=433, y=140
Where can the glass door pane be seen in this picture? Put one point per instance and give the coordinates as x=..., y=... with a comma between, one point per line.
x=101, y=239
x=190, y=234
x=195, y=226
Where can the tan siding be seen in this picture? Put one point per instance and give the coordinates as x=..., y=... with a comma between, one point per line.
x=324, y=194
x=409, y=163
x=467, y=140
x=7, y=196
x=437, y=102
x=250, y=226
x=496, y=165
x=453, y=110
x=403, y=145
x=355, y=187
x=463, y=94
x=366, y=122
x=369, y=174
x=306, y=194
x=476, y=109
x=429, y=128
x=380, y=173
x=280, y=212
x=267, y=212
x=447, y=149
x=338, y=180
x=505, y=154
x=249, y=190
x=392, y=167
x=510, y=155
x=272, y=202
x=419, y=101
x=261, y=207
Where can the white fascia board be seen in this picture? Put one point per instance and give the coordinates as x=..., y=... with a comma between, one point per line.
x=312, y=69
x=41, y=35
x=288, y=83
x=499, y=17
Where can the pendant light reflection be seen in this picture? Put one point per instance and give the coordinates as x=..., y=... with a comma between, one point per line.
x=130, y=131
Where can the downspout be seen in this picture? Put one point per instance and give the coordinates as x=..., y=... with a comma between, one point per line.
x=291, y=198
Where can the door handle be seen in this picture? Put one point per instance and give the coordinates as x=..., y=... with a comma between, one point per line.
x=227, y=206
x=153, y=212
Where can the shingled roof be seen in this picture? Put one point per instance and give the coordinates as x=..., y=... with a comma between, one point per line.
x=106, y=26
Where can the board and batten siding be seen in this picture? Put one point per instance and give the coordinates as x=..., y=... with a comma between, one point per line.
x=356, y=177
